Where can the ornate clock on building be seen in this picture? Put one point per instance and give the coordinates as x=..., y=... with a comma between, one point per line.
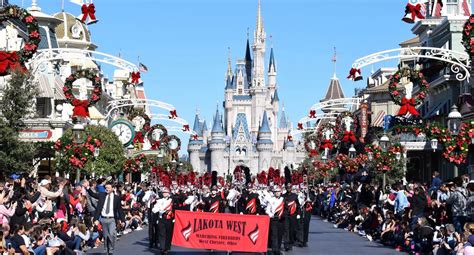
x=124, y=130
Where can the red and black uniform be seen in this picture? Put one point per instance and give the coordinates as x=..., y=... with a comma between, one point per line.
x=213, y=204
x=292, y=210
x=165, y=210
x=252, y=204
x=242, y=202
x=307, y=212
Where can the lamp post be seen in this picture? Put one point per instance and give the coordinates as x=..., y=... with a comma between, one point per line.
x=352, y=152
x=78, y=132
x=384, y=143
x=454, y=125
x=434, y=144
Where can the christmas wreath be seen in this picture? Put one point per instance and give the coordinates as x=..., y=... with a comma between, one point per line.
x=174, y=152
x=351, y=165
x=78, y=154
x=155, y=144
x=139, y=162
x=414, y=129
x=9, y=60
x=456, y=148
x=81, y=107
x=468, y=31
x=408, y=105
x=383, y=161
x=139, y=136
x=321, y=136
x=340, y=129
x=311, y=145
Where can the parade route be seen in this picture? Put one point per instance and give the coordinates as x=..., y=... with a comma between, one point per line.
x=324, y=239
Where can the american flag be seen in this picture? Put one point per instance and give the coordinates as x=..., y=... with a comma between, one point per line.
x=438, y=7
x=334, y=57
x=142, y=68
x=466, y=8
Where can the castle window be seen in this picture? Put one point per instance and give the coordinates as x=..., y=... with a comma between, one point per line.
x=240, y=91
x=452, y=7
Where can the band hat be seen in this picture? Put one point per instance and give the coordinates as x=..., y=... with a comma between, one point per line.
x=44, y=182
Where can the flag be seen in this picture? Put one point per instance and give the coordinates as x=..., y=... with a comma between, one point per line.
x=466, y=8
x=334, y=57
x=142, y=68
x=438, y=8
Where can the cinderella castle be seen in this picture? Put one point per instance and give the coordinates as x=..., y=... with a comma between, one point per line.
x=251, y=131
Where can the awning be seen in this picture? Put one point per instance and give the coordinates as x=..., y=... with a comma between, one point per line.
x=58, y=88
x=378, y=120
x=95, y=114
x=45, y=89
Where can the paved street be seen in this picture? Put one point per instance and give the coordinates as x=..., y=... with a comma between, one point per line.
x=324, y=239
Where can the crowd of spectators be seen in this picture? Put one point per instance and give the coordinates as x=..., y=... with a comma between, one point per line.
x=416, y=218
x=52, y=216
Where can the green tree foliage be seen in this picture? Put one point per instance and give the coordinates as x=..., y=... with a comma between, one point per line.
x=16, y=103
x=111, y=157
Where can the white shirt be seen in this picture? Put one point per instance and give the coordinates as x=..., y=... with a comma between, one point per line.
x=272, y=206
x=162, y=205
x=111, y=202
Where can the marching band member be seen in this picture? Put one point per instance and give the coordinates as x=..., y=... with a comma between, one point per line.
x=293, y=207
x=308, y=211
x=252, y=202
x=164, y=209
x=275, y=210
x=232, y=199
x=213, y=203
x=150, y=198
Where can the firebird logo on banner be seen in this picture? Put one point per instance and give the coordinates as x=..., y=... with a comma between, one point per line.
x=226, y=232
x=253, y=235
x=186, y=232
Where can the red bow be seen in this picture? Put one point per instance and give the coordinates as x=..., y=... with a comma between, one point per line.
x=135, y=77
x=352, y=74
x=81, y=108
x=138, y=138
x=408, y=106
x=88, y=11
x=327, y=144
x=7, y=61
x=156, y=145
x=185, y=128
x=415, y=11
x=173, y=114
x=312, y=114
x=349, y=136
x=300, y=126
x=195, y=137
x=290, y=138
x=313, y=153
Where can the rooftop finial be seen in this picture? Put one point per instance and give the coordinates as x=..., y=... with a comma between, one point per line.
x=334, y=60
x=259, y=27
x=34, y=6
x=229, y=63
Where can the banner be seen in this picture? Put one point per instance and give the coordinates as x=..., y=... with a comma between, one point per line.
x=222, y=231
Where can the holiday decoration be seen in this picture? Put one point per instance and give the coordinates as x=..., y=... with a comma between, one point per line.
x=185, y=128
x=135, y=116
x=346, y=125
x=408, y=103
x=311, y=145
x=324, y=168
x=300, y=126
x=351, y=165
x=81, y=107
x=174, y=145
x=10, y=60
x=325, y=136
x=383, y=161
x=88, y=10
x=413, y=13
x=135, y=78
x=355, y=75
x=312, y=114
x=78, y=154
x=156, y=135
x=467, y=36
x=413, y=129
x=455, y=147
x=173, y=114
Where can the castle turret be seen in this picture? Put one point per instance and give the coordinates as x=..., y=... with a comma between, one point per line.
x=272, y=73
x=217, y=145
x=264, y=145
x=195, y=144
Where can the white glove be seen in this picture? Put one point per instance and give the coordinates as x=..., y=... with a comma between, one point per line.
x=298, y=216
x=241, y=213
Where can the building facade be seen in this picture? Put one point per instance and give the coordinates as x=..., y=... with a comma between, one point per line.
x=253, y=129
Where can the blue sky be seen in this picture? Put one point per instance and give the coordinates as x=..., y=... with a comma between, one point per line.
x=184, y=43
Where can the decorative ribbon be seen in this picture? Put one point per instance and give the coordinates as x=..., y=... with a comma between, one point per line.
x=135, y=77
x=349, y=136
x=313, y=153
x=138, y=138
x=300, y=126
x=415, y=11
x=408, y=106
x=290, y=138
x=312, y=114
x=81, y=108
x=195, y=137
x=352, y=74
x=155, y=145
x=7, y=61
x=185, y=128
x=173, y=114
x=88, y=11
x=326, y=144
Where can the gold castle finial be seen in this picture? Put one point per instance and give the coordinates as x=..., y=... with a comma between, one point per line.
x=259, y=19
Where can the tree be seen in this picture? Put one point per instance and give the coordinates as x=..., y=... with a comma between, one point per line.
x=111, y=156
x=16, y=103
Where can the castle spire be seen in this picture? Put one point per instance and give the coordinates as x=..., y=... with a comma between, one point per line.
x=259, y=26
x=272, y=66
x=334, y=60
x=229, y=63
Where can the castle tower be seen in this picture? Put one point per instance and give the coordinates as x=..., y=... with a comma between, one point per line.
x=217, y=145
x=264, y=145
x=195, y=145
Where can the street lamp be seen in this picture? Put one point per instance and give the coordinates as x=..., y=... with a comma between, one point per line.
x=352, y=152
x=384, y=142
x=78, y=132
x=454, y=120
x=398, y=155
x=96, y=152
x=370, y=155
x=434, y=144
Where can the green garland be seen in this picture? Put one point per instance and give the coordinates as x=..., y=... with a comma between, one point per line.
x=87, y=74
x=416, y=77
